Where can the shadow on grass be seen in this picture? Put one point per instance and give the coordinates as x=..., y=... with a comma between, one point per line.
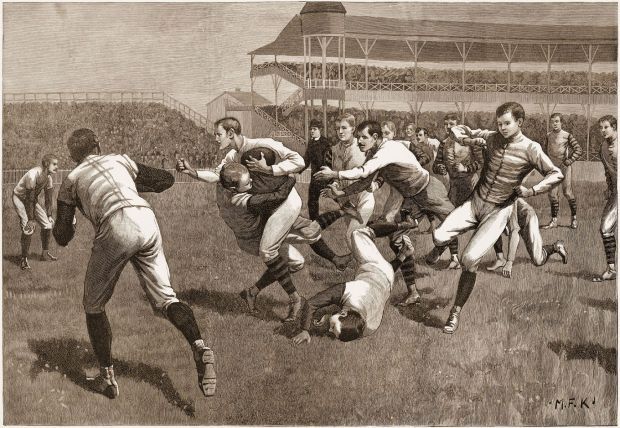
x=70, y=357
x=420, y=312
x=582, y=274
x=226, y=303
x=605, y=357
x=13, y=258
x=606, y=304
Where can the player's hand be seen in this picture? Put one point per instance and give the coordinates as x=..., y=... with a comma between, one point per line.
x=325, y=173
x=460, y=167
x=478, y=142
x=567, y=162
x=374, y=186
x=74, y=221
x=507, y=270
x=30, y=226
x=321, y=322
x=259, y=165
x=332, y=191
x=240, y=199
x=524, y=192
x=51, y=220
x=442, y=169
x=302, y=337
x=184, y=167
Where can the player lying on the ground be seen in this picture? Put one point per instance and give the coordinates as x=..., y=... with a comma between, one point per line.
x=523, y=223
x=105, y=189
x=361, y=301
x=608, y=126
x=563, y=150
x=30, y=212
x=509, y=157
x=246, y=200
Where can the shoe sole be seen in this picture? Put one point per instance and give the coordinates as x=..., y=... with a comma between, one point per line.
x=208, y=381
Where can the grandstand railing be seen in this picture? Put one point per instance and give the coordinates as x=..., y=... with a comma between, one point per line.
x=289, y=73
x=279, y=129
x=12, y=176
x=111, y=96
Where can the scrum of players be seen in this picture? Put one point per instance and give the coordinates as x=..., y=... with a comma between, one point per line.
x=473, y=180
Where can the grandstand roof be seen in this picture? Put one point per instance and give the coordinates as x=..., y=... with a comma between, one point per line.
x=323, y=7
x=440, y=37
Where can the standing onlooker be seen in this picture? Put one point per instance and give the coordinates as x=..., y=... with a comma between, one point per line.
x=317, y=154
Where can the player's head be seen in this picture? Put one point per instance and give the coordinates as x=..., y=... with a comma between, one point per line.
x=608, y=125
x=315, y=129
x=368, y=134
x=421, y=134
x=388, y=130
x=81, y=143
x=346, y=126
x=226, y=131
x=235, y=177
x=410, y=130
x=49, y=162
x=347, y=325
x=556, y=120
x=257, y=153
x=450, y=120
x=510, y=117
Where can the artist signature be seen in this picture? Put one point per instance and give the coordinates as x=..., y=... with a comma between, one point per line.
x=572, y=403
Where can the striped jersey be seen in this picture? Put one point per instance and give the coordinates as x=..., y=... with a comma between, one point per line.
x=561, y=146
x=609, y=157
x=33, y=182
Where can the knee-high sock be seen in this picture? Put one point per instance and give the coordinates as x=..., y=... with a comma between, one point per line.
x=396, y=264
x=498, y=246
x=326, y=219
x=383, y=228
x=466, y=285
x=572, y=203
x=555, y=208
x=45, y=239
x=408, y=270
x=182, y=317
x=454, y=246
x=265, y=280
x=609, y=242
x=279, y=270
x=321, y=248
x=25, y=241
x=100, y=335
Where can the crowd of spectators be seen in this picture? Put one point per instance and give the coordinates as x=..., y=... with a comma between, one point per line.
x=149, y=132
x=357, y=73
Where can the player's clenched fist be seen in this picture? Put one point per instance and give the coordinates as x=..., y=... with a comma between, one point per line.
x=524, y=192
x=184, y=167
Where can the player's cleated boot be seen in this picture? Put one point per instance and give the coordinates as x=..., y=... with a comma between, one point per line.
x=23, y=264
x=433, y=257
x=608, y=275
x=351, y=211
x=453, y=320
x=249, y=299
x=560, y=248
x=205, y=366
x=48, y=257
x=552, y=224
x=454, y=262
x=105, y=382
x=294, y=310
x=412, y=298
x=341, y=262
x=573, y=223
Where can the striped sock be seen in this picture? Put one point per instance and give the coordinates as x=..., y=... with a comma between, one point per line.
x=407, y=268
x=383, y=228
x=465, y=287
x=454, y=246
x=326, y=219
x=609, y=242
x=498, y=246
x=555, y=209
x=547, y=251
x=572, y=203
x=279, y=270
x=323, y=250
x=396, y=264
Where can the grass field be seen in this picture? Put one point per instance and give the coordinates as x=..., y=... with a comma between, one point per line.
x=547, y=334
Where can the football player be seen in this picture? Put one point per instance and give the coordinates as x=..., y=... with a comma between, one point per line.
x=30, y=212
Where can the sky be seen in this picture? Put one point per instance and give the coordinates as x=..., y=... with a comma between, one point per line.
x=195, y=51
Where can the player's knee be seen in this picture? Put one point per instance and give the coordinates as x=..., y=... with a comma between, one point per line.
x=267, y=254
x=568, y=194
x=440, y=237
x=92, y=308
x=606, y=232
x=469, y=263
x=296, y=265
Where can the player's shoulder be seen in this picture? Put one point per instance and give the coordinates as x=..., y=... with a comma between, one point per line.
x=529, y=143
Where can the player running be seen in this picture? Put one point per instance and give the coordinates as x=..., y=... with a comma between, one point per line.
x=360, y=302
x=105, y=189
x=563, y=150
x=523, y=223
x=509, y=157
x=608, y=126
x=30, y=212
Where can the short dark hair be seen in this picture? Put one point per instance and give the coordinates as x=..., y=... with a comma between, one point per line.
x=611, y=119
x=373, y=126
x=513, y=108
x=315, y=123
x=81, y=143
x=229, y=123
x=231, y=173
x=351, y=326
x=47, y=159
x=256, y=152
x=422, y=129
x=451, y=116
x=557, y=115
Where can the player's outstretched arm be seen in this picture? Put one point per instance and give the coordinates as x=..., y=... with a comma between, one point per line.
x=151, y=179
x=64, y=229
